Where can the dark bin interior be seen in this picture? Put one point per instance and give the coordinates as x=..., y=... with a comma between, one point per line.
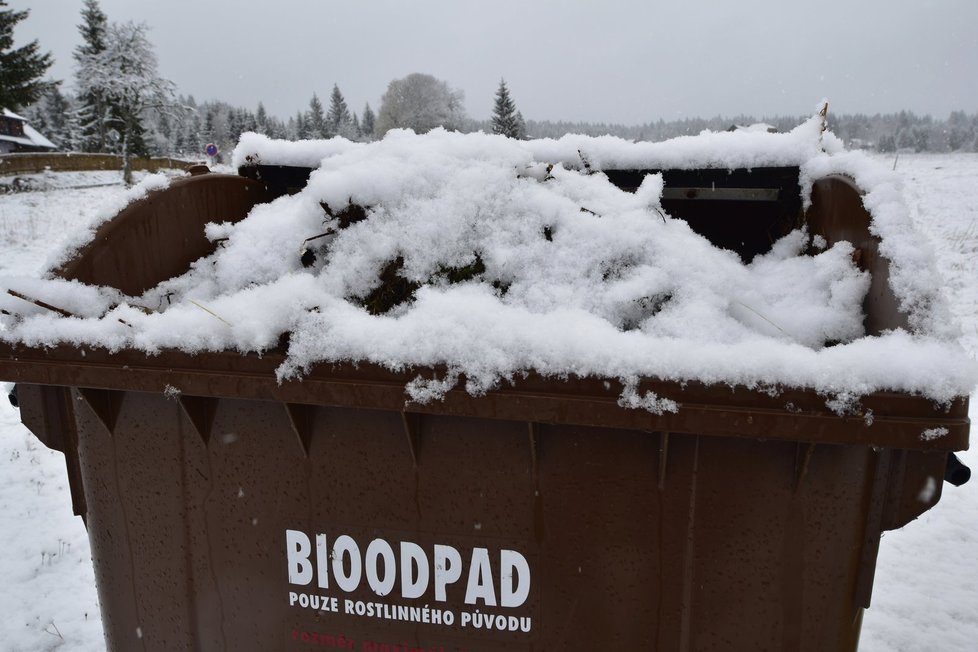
x=744, y=210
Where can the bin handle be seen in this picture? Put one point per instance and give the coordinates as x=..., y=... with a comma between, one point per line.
x=956, y=472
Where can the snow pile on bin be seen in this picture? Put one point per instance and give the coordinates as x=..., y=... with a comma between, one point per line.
x=490, y=258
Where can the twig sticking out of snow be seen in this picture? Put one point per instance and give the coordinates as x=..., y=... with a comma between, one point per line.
x=210, y=312
x=56, y=631
x=39, y=303
x=761, y=316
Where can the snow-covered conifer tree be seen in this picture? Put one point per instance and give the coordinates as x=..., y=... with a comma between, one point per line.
x=53, y=116
x=261, y=119
x=188, y=129
x=367, y=122
x=338, y=119
x=92, y=112
x=301, y=129
x=315, y=122
x=236, y=123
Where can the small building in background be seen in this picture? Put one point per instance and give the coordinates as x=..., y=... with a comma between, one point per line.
x=18, y=136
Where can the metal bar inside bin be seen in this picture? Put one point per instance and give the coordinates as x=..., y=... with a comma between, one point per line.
x=722, y=194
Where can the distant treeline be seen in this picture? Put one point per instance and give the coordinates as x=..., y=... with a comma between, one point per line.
x=187, y=132
x=887, y=132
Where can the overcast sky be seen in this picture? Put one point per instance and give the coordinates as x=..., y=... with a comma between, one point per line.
x=601, y=61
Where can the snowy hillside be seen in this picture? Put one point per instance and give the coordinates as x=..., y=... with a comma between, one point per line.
x=926, y=593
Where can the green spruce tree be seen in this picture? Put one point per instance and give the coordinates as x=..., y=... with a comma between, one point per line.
x=504, y=115
x=21, y=69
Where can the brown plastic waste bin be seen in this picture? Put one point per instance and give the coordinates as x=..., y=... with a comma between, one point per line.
x=227, y=511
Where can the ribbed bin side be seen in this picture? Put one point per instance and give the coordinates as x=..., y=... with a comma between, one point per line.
x=631, y=539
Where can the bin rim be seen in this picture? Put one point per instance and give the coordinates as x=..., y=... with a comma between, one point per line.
x=880, y=419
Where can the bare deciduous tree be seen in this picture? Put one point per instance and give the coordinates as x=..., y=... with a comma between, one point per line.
x=419, y=102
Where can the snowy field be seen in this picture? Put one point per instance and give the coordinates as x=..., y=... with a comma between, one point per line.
x=926, y=591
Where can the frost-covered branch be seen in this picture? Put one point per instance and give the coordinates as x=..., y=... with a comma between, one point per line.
x=124, y=74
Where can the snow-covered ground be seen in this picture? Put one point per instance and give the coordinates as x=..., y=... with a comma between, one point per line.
x=926, y=592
